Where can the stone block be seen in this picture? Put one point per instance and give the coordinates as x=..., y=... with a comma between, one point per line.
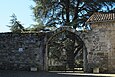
x=33, y=69
x=96, y=70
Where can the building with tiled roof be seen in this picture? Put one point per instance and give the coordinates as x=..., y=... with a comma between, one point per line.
x=101, y=17
x=101, y=50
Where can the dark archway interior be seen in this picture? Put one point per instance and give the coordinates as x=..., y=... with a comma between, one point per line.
x=65, y=51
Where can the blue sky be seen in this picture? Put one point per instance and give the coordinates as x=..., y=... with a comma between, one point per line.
x=22, y=10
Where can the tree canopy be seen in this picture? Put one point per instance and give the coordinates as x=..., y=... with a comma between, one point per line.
x=69, y=12
x=15, y=25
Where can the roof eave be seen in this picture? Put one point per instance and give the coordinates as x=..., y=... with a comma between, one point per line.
x=107, y=21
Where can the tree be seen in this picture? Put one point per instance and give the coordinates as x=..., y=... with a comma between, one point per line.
x=36, y=27
x=69, y=12
x=39, y=26
x=15, y=25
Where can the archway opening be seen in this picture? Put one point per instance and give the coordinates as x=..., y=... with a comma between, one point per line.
x=65, y=52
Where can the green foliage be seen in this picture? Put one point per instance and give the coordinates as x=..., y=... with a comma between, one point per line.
x=15, y=25
x=39, y=26
x=69, y=12
x=36, y=27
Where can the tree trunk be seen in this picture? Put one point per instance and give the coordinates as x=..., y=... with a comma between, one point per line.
x=76, y=11
x=67, y=12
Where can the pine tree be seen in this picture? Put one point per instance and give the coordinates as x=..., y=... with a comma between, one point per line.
x=15, y=25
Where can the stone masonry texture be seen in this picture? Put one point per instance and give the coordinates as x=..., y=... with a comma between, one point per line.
x=21, y=51
x=100, y=43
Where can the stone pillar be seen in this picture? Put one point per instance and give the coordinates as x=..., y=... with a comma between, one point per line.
x=46, y=54
x=46, y=59
x=85, y=59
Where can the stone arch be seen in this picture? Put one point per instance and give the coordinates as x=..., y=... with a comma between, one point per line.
x=68, y=41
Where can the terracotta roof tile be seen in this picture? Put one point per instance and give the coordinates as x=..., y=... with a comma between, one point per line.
x=101, y=17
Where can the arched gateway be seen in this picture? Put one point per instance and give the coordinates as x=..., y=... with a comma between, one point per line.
x=65, y=50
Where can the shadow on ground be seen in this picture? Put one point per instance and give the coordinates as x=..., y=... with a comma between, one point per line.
x=7, y=73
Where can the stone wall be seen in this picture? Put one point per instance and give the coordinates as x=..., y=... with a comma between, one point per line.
x=100, y=43
x=25, y=50
x=21, y=51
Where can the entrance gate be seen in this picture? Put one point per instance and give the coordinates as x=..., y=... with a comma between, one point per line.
x=64, y=51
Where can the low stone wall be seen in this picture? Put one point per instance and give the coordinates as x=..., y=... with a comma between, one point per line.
x=21, y=51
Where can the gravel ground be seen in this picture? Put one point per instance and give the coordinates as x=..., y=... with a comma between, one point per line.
x=7, y=73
